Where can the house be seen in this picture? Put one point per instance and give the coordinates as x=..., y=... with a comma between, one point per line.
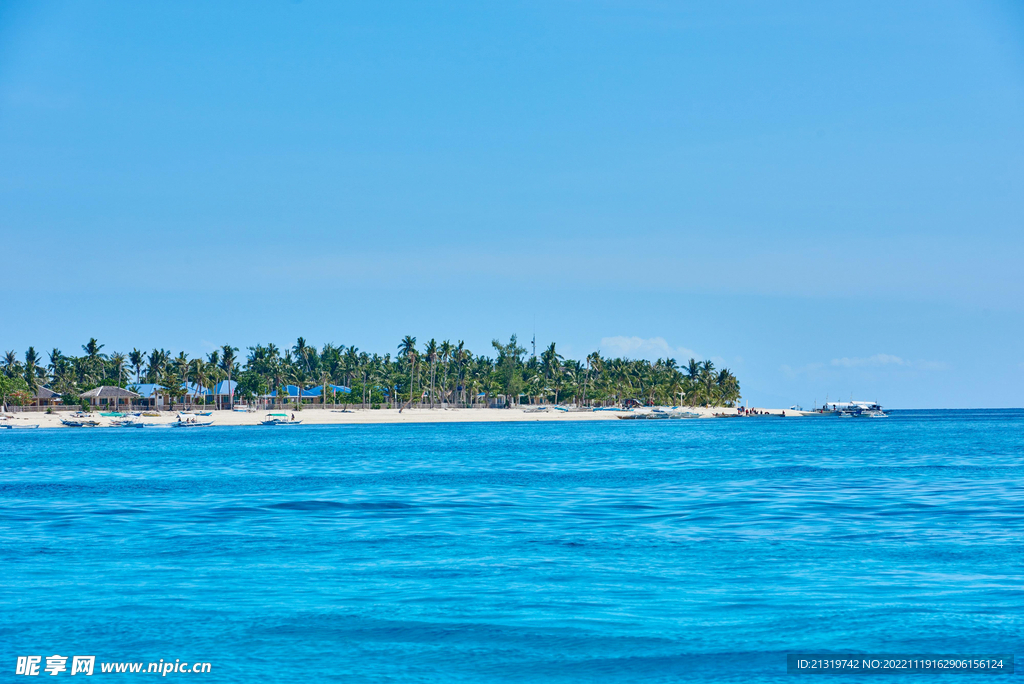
x=195, y=393
x=152, y=395
x=310, y=395
x=45, y=397
x=107, y=396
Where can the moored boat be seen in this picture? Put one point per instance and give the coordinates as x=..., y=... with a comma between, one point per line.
x=281, y=419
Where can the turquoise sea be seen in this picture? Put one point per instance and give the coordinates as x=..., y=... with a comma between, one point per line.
x=623, y=551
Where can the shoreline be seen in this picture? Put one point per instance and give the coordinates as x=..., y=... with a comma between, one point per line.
x=319, y=416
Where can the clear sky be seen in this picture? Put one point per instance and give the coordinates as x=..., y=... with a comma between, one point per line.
x=828, y=198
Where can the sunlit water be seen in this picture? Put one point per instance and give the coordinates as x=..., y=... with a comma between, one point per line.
x=620, y=551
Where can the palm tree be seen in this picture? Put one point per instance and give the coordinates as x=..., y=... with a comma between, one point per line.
x=707, y=379
x=117, y=362
x=32, y=371
x=407, y=348
x=201, y=371
x=182, y=364
x=552, y=364
x=445, y=352
x=92, y=349
x=227, y=364
x=12, y=367
x=431, y=352
x=136, y=359
x=459, y=356
x=508, y=373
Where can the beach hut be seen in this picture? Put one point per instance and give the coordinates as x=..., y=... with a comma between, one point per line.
x=107, y=396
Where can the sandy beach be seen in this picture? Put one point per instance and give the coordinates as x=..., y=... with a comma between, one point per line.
x=318, y=416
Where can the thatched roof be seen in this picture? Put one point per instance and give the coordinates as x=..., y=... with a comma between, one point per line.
x=45, y=393
x=108, y=392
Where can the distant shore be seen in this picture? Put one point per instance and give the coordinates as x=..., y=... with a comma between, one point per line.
x=319, y=416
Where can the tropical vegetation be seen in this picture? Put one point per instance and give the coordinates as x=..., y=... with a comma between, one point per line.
x=430, y=374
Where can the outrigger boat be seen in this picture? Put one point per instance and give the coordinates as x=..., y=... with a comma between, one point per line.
x=186, y=421
x=280, y=419
x=79, y=423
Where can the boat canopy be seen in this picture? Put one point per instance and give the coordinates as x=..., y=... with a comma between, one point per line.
x=854, y=405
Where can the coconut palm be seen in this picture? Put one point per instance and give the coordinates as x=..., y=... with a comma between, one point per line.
x=32, y=372
x=431, y=352
x=227, y=364
x=407, y=348
x=136, y=358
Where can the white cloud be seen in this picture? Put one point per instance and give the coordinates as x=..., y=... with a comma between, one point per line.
x=880, y=360
x=809, y=369
x=644, y=348
x=876, y=360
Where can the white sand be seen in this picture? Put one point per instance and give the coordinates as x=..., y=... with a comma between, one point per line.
x=318, y=416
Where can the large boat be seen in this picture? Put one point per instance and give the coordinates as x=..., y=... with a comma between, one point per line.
x=281, y=419
x=854, y=409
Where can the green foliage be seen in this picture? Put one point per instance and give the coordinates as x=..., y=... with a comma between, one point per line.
x=443, y=373
x=14, y=390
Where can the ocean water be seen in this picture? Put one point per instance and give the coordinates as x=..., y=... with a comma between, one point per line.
x=626, y=551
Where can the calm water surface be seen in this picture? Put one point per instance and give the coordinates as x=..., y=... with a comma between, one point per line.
x=622, y=551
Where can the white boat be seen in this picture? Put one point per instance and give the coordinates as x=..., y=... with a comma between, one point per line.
x=281, y=419
x=874, y=414
x=8, y=426
x=192, y=423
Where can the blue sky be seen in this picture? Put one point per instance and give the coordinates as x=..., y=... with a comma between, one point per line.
x=825, y=197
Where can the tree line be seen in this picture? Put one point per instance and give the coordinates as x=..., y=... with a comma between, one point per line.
x=429, y=374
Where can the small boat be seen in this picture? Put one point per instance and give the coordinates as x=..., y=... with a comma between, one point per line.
x=844, y=414
x=205, y=413
x=151, y=414
x=132, y=424
x=79, y=423
x=111, y=414
x=8, y=426
x=281, y=419
x=241, y=408
x=192, y=424
x=874, y=414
